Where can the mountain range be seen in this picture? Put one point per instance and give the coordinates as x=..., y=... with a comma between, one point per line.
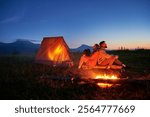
x=24, y=46
x=81, y=48
x=20, y=46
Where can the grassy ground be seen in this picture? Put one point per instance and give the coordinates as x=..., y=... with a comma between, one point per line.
x=21, y=78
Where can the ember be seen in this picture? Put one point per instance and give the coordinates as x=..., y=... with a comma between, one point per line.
x=104, y=85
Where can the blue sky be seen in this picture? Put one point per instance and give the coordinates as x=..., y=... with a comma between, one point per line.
x=118, y=22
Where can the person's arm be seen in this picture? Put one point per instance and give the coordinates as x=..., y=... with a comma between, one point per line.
x=80, y=63
x=82, y=60
x=103, y=54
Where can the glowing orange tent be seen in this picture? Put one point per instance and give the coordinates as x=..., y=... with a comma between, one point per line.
x=54, y=51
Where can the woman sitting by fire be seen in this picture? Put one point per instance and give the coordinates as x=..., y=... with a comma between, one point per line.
x=89, y=59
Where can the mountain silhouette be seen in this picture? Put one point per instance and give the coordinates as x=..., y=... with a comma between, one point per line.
x=20, y=46
x=25, y=47
x=81, y=48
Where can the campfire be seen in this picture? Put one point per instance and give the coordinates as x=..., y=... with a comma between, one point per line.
x=102, y=78
x=111, y=77
x=106, y=77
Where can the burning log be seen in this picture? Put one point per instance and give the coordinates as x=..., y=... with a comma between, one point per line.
x=102, y=80
x=115, y=67
x=113, y=81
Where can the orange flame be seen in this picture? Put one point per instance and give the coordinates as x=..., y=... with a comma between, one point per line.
x=113, y=77
x=104, y=85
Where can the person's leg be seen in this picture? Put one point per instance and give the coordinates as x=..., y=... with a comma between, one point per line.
x=118, y=62
x=108, y=61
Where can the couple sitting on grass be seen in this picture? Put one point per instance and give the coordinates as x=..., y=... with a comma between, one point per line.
x=99, y=58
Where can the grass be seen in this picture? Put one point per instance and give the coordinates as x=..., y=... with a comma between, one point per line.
x=21, y=78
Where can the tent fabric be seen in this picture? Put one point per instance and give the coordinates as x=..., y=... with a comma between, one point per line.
x=54, y=51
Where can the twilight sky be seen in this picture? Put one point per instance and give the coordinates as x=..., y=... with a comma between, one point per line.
x=118, y=22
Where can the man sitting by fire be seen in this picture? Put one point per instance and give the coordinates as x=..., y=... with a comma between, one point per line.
x=108, y=60
x=99, y=57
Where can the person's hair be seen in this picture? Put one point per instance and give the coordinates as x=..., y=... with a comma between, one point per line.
x=96, y=45
x=101, y=43
x=87, y=52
